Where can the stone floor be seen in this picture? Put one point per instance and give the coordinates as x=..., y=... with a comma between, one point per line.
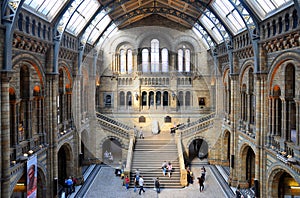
x=107, y=185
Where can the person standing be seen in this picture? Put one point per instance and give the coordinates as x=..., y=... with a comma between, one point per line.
x=203, y=171
x=141, y=133
x=141, y=184
x=188, y=175
x=69, y=184
x=170, y=168
x=201, y=183
x=157, y=185
x=164, y=168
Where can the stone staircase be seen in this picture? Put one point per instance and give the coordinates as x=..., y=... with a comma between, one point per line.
x=148, y=156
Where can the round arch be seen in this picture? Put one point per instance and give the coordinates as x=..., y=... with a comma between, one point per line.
x=111, y=147
x=278, y=176
x=247, y=165
x=197, y=146
x=65, y=162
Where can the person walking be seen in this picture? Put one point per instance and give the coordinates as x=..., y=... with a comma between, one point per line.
x=164, y=167
x=141, y=184
x=201, y=183
x=136, y=182
x=170, y=168
x=69, y=184
x=157, y=185
x=203, y=172
x=127, y=182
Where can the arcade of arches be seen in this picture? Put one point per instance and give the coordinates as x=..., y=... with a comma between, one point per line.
x=231, y=91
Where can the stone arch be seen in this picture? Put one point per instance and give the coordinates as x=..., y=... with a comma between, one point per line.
x=274, y=173
x=246, y=165
x=284, y=58
x=204, y=147
x=31, y=60
x=226, y=139
x=245, y=69
x=65, y=162
x=41, y=182
x=113, y=146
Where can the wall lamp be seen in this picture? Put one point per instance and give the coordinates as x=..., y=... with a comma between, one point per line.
x=136, y=96
x=173, y=95
x=295, y=187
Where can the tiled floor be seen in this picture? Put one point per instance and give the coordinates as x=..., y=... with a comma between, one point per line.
x=107, y=185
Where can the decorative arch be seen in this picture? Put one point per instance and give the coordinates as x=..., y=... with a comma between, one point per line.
x=123, y=145
x=273, y=174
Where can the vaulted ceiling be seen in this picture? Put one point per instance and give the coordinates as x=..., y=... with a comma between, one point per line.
x=184, y=12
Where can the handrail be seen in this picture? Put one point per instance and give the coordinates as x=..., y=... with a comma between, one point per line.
x=196, y=122
x=112, y=121
x=183, y=172
x=205, y=123
x=114, y=128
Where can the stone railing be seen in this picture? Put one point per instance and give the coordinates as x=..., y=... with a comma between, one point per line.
x=112, y=121
x=129, y=154
x=183, y=172
x=201, y=124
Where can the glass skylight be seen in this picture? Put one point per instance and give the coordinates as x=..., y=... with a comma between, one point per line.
x=96, y=27
x=229, y=15
x=265, y=7
x=211, y=28
x=82, y=15
x=207, y=42
x=47, y=9
x=110, y=31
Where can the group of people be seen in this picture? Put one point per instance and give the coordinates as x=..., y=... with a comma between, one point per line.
x=70, y=185
x=138, y=134
x=108, y=156
x=167, y=167
x=201, y=178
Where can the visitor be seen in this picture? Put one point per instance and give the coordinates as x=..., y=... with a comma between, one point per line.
x=157, y=185
x=170, y=168
x=203, y=171
x=127, y=182
x=136, y=182
x=164, y=168
x=141, y=134
x=188, y=175
x=141, y=184
x=69, y=184
x=201, y=183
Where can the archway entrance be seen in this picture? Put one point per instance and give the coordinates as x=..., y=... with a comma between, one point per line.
x=284, y=185
x=248, y=166
x=112, y=151
x=198, y=149
x=64, y=164
x=226, y=150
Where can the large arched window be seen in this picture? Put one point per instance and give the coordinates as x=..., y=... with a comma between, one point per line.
x=187, y=98
x=145, y=60
x=180, y=60
x=165, y=60
x=129, y=60
x=187, y=58
x=122, y=61
x=154, y=55
x=129, y=98
x=122, y=98
x=165, y=98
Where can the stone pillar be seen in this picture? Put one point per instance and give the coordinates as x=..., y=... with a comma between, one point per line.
x=283, y=123
x=297, y=101
x=5, y=136
x=52, y=129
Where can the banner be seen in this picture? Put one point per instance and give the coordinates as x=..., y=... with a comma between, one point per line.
x=32, y=177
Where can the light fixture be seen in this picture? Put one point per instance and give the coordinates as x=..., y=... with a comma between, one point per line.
x=295, y=187
x=173, y=95
x=30, y=152
x=136, y=96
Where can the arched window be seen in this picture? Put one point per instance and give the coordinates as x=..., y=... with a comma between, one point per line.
x=122, y=98
x=180, y=60
x=158, y=98
x=166, y=98
x=129, y=60
x=122, y=61
x=151, y=98
x=154, y=55
x=180, y=99
x=187, y=98
x=165, y=60
x=129, y=98
x=187, y=58
x=144, y=98
x=145, y=60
